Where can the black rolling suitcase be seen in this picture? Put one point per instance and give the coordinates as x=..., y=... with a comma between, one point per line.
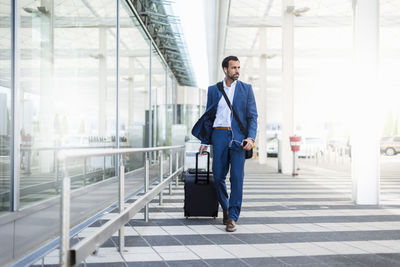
x=200, y=195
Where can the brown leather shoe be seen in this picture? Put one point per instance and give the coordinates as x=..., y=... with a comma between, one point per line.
x=230, y=225
x=225, y=216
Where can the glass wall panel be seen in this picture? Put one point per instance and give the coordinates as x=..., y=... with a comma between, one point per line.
x=67, y=84
x=189, y=116
x=5, y=103
x=170, y=107
x=158, y=100
x=322, y=81
x=389, y=82
x=134, y=83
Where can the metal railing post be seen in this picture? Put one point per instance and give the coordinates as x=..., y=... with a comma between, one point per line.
x=146, y=184
x=65, y=217
x=104, y=168
x=84, y=171
x=176, y=167
x=170, y=172
x=57, y=180
x=78, y=252
x=121, y=201
x=161, y=159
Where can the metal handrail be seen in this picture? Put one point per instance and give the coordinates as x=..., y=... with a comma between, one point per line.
x=81, y=153
x=84, y=248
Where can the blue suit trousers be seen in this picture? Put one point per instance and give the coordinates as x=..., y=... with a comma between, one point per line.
x=228, y=154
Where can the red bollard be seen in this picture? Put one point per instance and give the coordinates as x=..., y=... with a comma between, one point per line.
x=295, y=147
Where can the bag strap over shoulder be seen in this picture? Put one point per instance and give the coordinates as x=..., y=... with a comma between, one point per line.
x=221, y=88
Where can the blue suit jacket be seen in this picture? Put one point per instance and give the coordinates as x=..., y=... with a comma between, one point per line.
x=244, y=105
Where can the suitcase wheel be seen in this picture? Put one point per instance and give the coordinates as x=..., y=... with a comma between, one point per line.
x=187, y=217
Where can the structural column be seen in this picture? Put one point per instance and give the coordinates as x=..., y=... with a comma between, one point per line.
x=155, y=122
x=365, y=132
x=150, y=144
x=166, y=107
x=149, y=119
x=46, y=113
x=174, y=101
x=102, y=80
x=262, y=105
x=131, y=92
x=287, y=123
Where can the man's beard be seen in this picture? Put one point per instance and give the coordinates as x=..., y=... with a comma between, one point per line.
x=234, y=77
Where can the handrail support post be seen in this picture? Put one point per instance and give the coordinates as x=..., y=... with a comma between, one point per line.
x=176, y=168
x=65, y=217
x=121, y=232
x=161, y=159
x=170, y=172
x=146, y=184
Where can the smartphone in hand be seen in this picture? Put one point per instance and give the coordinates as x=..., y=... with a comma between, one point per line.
x=244, y=143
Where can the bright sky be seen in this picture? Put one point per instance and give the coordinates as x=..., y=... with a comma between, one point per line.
x=191, y=13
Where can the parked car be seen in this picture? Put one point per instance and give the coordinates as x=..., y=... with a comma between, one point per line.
x=390, y=145
x=272, y=147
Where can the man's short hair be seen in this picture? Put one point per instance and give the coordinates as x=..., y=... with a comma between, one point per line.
x=225, y=62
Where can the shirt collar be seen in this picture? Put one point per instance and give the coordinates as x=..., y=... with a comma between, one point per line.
x=232, y=85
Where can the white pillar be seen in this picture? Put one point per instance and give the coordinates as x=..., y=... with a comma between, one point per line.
x=150, y=119
x=287, y=123
x=166, y=107
x=174, y=101
x=131, y=92
x=262, y=103
x=102, y=81
x=155, y=122
x=365, y=134
x=46, y=112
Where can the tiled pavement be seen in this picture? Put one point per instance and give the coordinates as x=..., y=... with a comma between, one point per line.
x=303, y=221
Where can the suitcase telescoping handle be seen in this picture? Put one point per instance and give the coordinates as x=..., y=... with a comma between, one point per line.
x=197, y=167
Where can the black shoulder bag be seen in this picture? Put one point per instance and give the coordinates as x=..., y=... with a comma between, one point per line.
x=249, y=153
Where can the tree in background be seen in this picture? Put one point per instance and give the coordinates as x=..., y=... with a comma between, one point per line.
x=389, y=127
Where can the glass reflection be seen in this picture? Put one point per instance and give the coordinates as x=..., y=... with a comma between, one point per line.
x=5, y=104
x=67, y=89
x=134, y=83
x=158, y=100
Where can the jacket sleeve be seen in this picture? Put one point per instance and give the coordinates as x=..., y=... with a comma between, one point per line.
x=209, y=102
x=251, y=114
x=209, y=97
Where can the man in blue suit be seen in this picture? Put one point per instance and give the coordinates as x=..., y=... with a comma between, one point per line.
x=219, y=128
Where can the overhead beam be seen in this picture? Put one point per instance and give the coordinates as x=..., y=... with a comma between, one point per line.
x=299, y=52
x=304, y=21
x=75, y=53
x=84, y=73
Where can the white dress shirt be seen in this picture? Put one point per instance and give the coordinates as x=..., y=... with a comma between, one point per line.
x=223, y=116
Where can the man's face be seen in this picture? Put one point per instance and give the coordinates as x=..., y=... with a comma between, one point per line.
x=233, y=70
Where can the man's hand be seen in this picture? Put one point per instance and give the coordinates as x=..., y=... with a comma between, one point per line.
x=249, y=144
x=203, y=149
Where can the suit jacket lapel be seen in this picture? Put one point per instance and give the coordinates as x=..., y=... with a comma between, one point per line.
x=238, y=89
x=219, y=94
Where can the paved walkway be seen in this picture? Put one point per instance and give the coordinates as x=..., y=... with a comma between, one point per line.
x=303, y=221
